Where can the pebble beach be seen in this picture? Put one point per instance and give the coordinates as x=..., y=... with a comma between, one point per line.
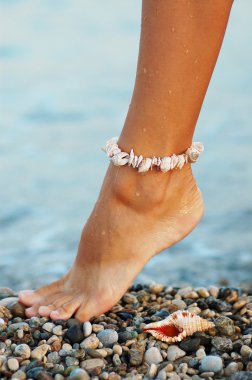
x=113, y=346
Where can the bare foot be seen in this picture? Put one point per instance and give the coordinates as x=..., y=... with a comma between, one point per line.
x=136, y=216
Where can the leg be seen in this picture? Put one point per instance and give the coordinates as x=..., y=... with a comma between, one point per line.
x=137, y=216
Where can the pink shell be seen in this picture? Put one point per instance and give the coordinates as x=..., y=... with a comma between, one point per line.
x=178, y=326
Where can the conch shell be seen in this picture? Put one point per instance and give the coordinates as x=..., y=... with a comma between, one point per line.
x=178, y=326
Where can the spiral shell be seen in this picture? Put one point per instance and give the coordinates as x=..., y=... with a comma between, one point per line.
x=178, y=326
x=194, y=152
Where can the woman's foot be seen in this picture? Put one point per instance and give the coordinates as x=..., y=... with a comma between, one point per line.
x=136, y=216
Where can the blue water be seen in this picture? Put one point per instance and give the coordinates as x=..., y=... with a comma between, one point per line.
x=66, y=76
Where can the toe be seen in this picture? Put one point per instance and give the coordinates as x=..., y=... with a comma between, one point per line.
x=45, y=311
x=30, y=297
x=31, y=311
x=66, y=310
x=27, y=297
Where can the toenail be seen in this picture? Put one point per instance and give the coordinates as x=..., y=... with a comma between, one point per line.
x=26, y=292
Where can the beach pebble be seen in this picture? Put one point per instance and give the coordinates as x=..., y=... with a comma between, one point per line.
x=6, y=292
x=174, y=353
x=224, y=326
x=87, y=329
x=129, y=298
x=48, y=326
x=34, y=322
x=152, y=370
x=91, y=364
x=53, y=357
x=90, y=342
x=20, y=375
x=222, y=344
x=58, y=376
x=190, y=344
x=6, y=301
x=200, y=353
x=79, y=374
x=75, y=333
x=242, y=375
x=71, y=361
x=18, y=326
x=156, y=288
x=180, y=304
x=16, y=309
x=153, y=355
x=57, y=330
x=231, y=368
x=39, y=352
x=108, y=337
x=117, y=349
x=97, y=328
x=211, y=364
x=13, y=364
x=203, y=292
x=23, y=351
x=214, y=291
x=245, y=351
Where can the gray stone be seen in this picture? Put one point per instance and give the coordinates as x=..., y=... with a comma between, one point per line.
x=174, y=353
x=108, y=337
x=222, y=344
x=18, y=326
x=224, y=326
x=53, y=357
x=70, y=361
x=23, y=351
x=79, y=374
x=242, y=375
x=245, y=351
x=153, y=356
x=211, y=364
x=90, y=342
x=48, y=326
x=91, y=364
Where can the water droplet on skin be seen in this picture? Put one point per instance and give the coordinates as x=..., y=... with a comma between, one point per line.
x=173, y=29
x=103, y=232
x=144, y=129
x=196, y=61
x=196, y=78
x=164, y=117
x=169, y=92
x=144, y=70
x=187, y=51
x=137, y=194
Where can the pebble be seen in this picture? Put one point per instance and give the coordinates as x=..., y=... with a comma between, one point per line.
x=203, y=292
x=214, y=291
x=108, y=337
x=242, y=375
x=20, y=375
x=75, y=333
x=90, y=342
x=18, y=326
x=87, y=329
x=23, y=351
x=222, y=344
x=245, y=351
x=156, y=288
x=152, y=370
x=180, y=304
x=57, y=330
x=16, y=309
x=174, y=353
x=200, y=353
x=153, y=356
x=117, y=349
x=53, y=357
x=231, y=368
x=211, y=364
x=13, y=364
x=39, y=352
x=79, y=374
x=224, y=326
x=129, y=298
x=48, y=326
x=91, y=364
x=190, y=344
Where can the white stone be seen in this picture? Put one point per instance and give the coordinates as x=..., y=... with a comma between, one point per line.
x=90, y=342
x=174, y=353
x=48, y=326
x=87, y=328
x=39, y=352
x=23, y=351
x=13, y=364
x=153, y=356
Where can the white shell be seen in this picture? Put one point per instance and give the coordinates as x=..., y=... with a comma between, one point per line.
x=181, y=323
x=134, y=163
x=145, y=165
x=120, y=159
x=174, y=161
x=165, y=165
x=181, y=161
x=140, y=159
x=131, y=157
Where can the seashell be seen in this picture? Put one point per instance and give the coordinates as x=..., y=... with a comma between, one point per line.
x=113, y=150
x=174, y=161
x=134, y=163
x=165, y=165
x=145, y=165
x=120, y=159
x=198, y=146
x=178, y=326
x=153, y=161
x=131, y=157
x=140, y=159
x=158, y=161
x=194, y=152
x=181, y=161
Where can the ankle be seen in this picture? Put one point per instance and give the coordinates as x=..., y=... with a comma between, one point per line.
x=149, y=190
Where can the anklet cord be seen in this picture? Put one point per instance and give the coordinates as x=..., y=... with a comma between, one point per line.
x=143, y=164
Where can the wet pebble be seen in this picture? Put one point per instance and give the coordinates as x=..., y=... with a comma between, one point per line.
x=23, y=351
x=90, y=342
x=222, y=343
x=211, y=364
x=79, y=374
x=87, y=329
x=246, y=351
x=13, y=364
x=108, y=337
x=75, y=333
x=153, y=356
x=231, y=368
x=174, y=353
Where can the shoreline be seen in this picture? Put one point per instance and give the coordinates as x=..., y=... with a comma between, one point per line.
x=113, y=345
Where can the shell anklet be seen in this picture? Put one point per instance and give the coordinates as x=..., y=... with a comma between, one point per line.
x=143, y=164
